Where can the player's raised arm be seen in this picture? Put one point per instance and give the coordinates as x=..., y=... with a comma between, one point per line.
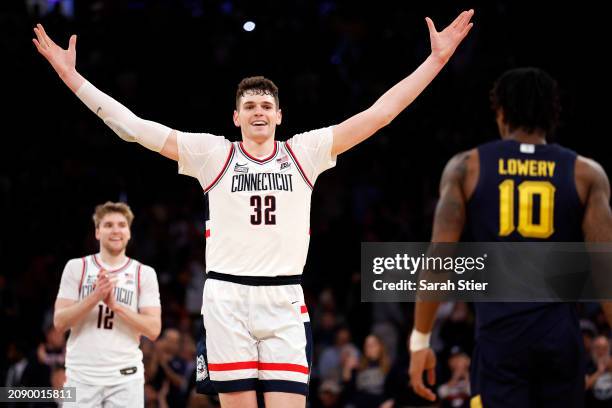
x=121, y=120
x=363, y=125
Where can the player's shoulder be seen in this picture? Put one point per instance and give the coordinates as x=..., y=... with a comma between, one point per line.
x=200, y=135
x=311, y=135
x=589, y=171
x=144, y=268
x=80, y=261
x=462, y=163
x=201, y=139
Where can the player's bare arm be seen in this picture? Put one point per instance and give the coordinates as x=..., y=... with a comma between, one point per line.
x=147, y=321
x=69, y=312
x=594, y=190
x=363, y=125
x=121, y=120
x=456, y=185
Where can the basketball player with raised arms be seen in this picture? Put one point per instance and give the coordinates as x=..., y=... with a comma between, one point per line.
x=108, y=301
x=259, y=194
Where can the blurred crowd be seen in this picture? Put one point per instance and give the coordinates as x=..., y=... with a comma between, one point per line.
x=178, y=63
x=347, y=372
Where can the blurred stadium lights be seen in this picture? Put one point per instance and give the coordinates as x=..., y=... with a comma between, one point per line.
x=249, y=26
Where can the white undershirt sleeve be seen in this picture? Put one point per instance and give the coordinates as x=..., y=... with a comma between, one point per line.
x=122, y=121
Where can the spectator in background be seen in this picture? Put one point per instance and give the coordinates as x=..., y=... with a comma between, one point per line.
x=364, y=381
x=599, y=375
x=456, y=392
x=52, y=353
x=172, y=367
x=329, y=394
x=330, y=359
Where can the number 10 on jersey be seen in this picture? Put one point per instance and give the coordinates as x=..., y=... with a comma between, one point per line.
x=527, y=191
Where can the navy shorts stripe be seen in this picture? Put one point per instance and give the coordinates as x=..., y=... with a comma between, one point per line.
x=246, y=384
x=292, y=387
x=257, y=280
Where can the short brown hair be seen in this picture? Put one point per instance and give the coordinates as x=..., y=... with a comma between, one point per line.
x=110, y=207
x=257, y=85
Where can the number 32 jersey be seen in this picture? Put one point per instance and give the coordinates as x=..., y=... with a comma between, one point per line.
x=102, y=349
x=259, y=209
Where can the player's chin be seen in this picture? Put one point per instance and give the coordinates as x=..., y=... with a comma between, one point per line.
x=116, y=246
x=262, y=133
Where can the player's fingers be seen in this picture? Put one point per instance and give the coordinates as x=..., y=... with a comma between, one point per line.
x=421, y=390
x=466, y=30
x=457, y=19
x=38, y=46
x=46, y=37
x=430, y=25
x=431, y=376
x=42, y=37
x=465, y=19
x=72, y=42
x=39, y=38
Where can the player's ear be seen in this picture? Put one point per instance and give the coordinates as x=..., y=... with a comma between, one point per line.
x=98, y=233
x=279, y=117
x=236, y=119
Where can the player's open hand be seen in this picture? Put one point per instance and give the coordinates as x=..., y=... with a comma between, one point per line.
x=63, y=61
x=445, y=42
x=419, y=362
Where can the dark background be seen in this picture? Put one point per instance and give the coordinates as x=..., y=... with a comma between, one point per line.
x=178, y=63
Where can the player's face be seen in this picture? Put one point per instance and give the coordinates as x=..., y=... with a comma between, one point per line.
x=257, y=116
x=113, y=233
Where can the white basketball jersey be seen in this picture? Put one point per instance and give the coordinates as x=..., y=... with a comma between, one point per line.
x=102, y=349
x=259, y=209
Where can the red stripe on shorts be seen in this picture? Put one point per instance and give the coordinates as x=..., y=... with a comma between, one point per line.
x=207, y=233
x=284, y=367
x=245, y=365
x=303, y=309
x=240, y=365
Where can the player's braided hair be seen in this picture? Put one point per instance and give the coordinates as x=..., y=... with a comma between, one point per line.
x=108, y=208
x=257, y=85
x=529, y=99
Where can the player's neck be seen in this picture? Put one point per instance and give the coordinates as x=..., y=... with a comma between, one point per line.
x=111, y=259
x=522, y=136
x=259, y=149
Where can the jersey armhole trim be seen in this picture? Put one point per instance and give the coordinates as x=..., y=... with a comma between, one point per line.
x=82, y=276
x=138, y=290
x=297, y=163
x=223, y=170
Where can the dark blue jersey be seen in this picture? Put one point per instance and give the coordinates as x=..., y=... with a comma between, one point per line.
x=524, y=192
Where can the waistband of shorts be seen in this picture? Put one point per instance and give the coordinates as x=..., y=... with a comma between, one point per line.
x=257, y=280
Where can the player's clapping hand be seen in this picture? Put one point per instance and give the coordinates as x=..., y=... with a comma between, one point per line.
x=103, y=285
x=63, y=61
x=110, y=299
x=445, y=42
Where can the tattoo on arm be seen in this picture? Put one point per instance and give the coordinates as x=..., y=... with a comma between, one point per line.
x=449, y=218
